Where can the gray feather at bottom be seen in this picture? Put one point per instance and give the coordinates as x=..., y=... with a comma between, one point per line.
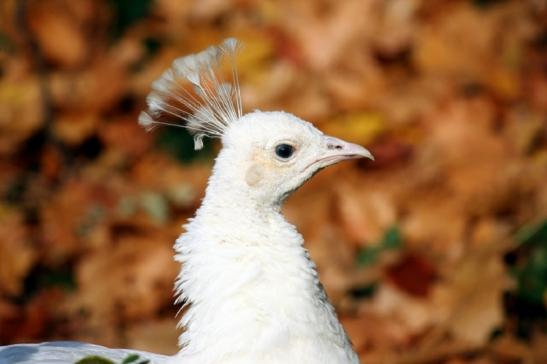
x=68, y=352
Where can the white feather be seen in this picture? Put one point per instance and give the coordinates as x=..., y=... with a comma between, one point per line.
x=145, y=120
x=68, y=352
x=165, y=82
x=213, y=105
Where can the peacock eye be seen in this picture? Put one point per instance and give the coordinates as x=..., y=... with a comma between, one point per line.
x=284, y=151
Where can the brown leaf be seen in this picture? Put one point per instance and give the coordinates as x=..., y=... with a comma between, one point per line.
x=155, y=336
x=133, y=279
x=74, y=216
x=158, y=172
x=17, y=256
x=372, y=332
x=358, y=127
x=73, y=128
x=539, y=347
x=471, y=296
x=96, y=89
x=21, y=111
x=365, y=213
x=412, y=315
x=33, y=320
x=59, y=34
x=135, y=142
x=413, y=274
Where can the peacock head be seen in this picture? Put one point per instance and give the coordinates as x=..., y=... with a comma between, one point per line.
x=274, y=153
x=267, y=154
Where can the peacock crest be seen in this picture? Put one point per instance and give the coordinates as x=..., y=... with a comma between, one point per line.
x=193, y=90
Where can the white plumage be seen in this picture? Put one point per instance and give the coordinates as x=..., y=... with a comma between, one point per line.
x=209, y=105
x=250, y=291
x=68, y=352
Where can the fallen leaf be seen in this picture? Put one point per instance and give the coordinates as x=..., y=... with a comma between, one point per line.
x=60, y=35
x=133, y=279
x=155, y=336
x=471, y=297
x=360, y=127
x=17, y=255
x=21, y=112
x=413, y=274
x=73, y=128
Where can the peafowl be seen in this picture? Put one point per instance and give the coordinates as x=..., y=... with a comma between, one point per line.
x=249, y=292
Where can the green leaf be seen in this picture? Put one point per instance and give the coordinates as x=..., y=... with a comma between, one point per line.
x=6, y=43
x=486, y=3
x=127, y=13
x=94, y=359
x=94, y=215
x=131, y=358
x=42, y=277
x=533, y=234
x=152, y=46
x=156, y=206
x=366, y=291
x=180, y=144
x=532, y=277
x=392, y=239
x=368, y=256
x=127, y=206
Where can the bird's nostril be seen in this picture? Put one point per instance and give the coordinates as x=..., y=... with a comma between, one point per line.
x=331, y=146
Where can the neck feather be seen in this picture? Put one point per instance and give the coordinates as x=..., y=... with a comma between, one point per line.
x=246, y=278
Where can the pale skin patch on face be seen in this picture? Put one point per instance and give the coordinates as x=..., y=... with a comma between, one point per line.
x=261, y=165
x=254, y=175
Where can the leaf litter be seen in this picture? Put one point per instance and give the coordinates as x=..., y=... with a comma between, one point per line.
x=435, y=253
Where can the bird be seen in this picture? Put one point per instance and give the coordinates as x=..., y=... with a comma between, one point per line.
x=248, y=290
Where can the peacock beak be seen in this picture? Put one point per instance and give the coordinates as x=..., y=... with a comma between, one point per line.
x=338, y=150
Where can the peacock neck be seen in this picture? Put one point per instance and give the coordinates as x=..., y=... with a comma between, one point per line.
x=250, y=287
x=246, y=275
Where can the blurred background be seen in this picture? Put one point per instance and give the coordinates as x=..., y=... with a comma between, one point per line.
x=435, y=253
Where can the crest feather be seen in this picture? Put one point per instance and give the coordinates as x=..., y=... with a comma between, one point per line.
x=192, y=90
